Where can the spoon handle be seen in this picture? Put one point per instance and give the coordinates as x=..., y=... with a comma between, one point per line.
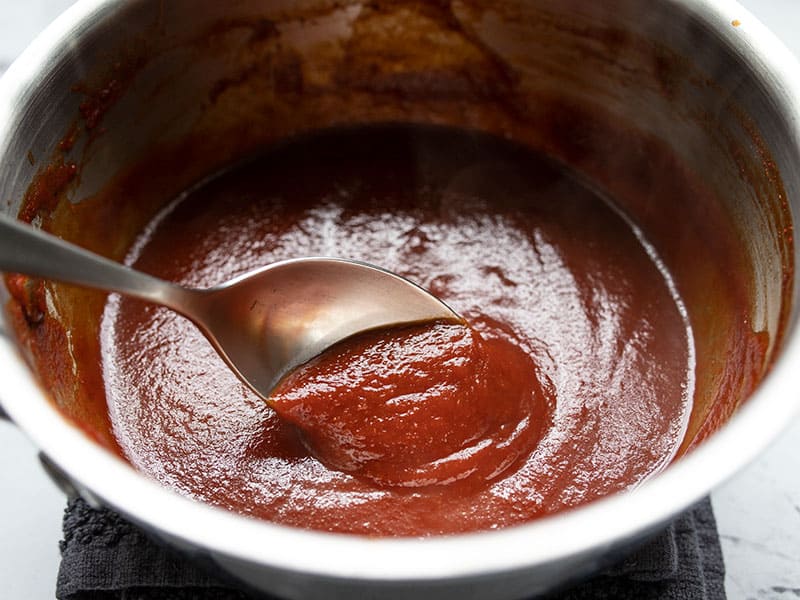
x=25, y=249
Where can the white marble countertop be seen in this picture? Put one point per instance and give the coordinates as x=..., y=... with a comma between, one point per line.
x=758, y=512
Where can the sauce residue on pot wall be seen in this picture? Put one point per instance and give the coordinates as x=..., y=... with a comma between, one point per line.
x=562, y=289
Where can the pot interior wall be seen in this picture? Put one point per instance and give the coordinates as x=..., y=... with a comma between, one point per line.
x=623, y=98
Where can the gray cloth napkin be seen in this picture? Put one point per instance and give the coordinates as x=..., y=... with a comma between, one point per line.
x=684, y=562
x=104, y=557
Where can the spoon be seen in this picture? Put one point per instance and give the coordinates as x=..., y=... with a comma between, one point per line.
x=263, y=323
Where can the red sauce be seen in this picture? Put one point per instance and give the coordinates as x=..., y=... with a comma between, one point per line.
x=574, y=380
x=424, y=405
x=47, y=189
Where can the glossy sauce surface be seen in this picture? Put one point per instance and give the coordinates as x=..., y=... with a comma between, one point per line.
x=429, y=404
x=567, y=293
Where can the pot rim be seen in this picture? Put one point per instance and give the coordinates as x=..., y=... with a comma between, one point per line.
x=101, y=475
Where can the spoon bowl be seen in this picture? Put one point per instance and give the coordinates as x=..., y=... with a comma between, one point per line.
x=263, y=323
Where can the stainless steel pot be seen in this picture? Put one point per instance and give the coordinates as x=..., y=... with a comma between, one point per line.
x=123, y=80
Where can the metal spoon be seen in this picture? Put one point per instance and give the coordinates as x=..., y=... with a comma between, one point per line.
x=263, y=323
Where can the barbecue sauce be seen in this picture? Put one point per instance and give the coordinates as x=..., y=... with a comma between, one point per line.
x=571, y=379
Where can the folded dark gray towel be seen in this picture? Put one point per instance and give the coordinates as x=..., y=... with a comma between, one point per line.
x=104, y=557
x=683, y=563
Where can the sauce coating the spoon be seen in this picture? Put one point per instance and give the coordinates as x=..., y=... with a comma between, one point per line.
x=584, y=343
x=431, y=404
